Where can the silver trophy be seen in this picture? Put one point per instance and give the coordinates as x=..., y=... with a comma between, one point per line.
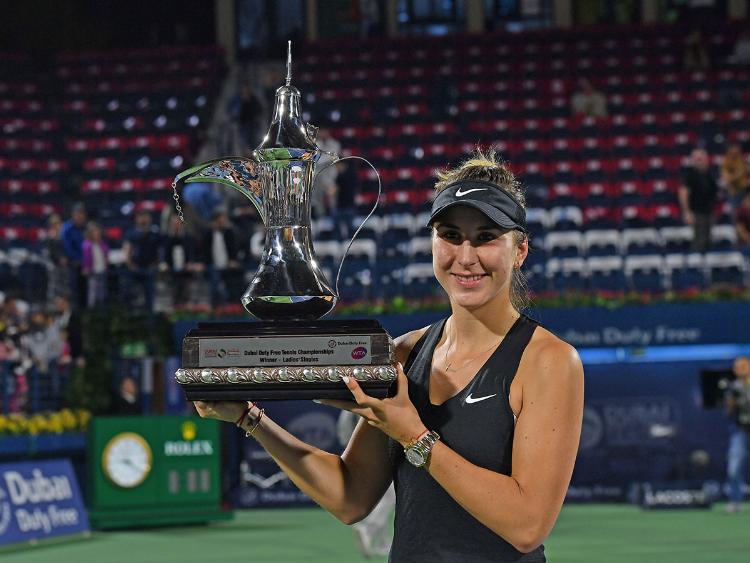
x=289, y=353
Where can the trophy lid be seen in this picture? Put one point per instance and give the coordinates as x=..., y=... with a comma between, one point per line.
x=287, y=130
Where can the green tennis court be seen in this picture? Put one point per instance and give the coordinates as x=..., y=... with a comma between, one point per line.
x=584, y=533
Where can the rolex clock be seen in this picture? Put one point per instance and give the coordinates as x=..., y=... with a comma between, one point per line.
x=127, y=459
x=153, y=471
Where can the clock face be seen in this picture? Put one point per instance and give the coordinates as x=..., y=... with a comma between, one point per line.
x=127, y=460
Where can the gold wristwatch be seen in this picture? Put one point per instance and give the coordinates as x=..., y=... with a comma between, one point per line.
x=418, y=453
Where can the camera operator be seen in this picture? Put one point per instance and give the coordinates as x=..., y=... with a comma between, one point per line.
x=737, y=402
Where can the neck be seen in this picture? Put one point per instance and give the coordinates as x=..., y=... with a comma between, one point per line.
x=480, y=325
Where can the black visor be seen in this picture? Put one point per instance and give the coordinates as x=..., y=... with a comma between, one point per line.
x=489, y=198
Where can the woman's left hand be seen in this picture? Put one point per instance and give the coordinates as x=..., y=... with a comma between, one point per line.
x=396, y=416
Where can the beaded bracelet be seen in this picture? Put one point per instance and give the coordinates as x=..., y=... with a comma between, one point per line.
x=249, y=433
x=242, y=417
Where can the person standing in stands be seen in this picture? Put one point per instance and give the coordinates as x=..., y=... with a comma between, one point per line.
x=742, y=224
x=481, y=435
x=177, y=259
x=221, y=249
x=141, y=249
x=58, y=283
x=95, y=264
x=738, y=408
x=587, y=101
x=72, y=235
x=324, y=195
x=698, y=194
x=735, y=175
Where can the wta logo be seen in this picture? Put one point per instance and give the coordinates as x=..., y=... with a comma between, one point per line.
x=359, y=352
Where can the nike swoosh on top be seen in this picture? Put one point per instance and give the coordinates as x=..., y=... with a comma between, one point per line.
x=459, y=193
x=471, y=399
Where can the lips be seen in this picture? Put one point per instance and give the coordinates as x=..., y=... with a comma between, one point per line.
x=468, y=280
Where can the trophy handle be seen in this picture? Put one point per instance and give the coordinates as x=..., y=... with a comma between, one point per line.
x=362, y=224
x=236, y=172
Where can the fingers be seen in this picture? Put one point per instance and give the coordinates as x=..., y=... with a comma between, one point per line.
x=339, y=404
x=351, y=406
x=360, y=396
x=402, y=381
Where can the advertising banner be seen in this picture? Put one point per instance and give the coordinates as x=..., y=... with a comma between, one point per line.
x=39, y=500
x=260, y=481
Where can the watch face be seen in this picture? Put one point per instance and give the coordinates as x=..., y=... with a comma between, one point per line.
x=127, y=460
x=415, y=457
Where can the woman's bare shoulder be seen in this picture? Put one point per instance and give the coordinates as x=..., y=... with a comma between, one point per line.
x=546, y=350
x=406, y=342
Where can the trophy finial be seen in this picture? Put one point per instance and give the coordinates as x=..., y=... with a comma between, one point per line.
x=288, y=129
x=289, y=63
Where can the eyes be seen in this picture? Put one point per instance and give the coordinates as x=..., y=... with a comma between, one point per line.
x=454, y=236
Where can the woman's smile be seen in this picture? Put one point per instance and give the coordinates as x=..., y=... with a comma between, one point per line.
x=468, y=281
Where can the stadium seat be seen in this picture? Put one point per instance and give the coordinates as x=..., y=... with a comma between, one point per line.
x=603, y=242
x=685, y=271
x=606, y=273
x=676, y=239
x=565, y=218
x=564, y=244
x=645, y=272
x=566, y=274
x=641, y=241
x=726, y=268
x=723, y=237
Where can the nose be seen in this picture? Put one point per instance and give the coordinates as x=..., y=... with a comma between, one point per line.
x=467, y=254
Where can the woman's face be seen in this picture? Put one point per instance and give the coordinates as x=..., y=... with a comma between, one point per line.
x=473, y=258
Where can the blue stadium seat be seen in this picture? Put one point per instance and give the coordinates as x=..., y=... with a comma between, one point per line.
x=606, y=273
x=645, y=272
x=685, y=271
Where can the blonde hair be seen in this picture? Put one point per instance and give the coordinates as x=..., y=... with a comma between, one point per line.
x=489, y=166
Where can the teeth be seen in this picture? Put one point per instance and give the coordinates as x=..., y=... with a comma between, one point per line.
x=470, y=278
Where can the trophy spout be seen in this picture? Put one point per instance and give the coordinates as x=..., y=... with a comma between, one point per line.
x=235, y=172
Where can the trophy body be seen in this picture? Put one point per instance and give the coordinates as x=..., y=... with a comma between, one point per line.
x=290, y=353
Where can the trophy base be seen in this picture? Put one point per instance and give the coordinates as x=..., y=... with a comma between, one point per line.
x=286, y=360
x=282, y=391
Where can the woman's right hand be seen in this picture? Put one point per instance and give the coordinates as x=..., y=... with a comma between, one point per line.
x=228, y=411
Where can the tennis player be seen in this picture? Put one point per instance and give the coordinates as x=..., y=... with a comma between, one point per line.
x=481, y=436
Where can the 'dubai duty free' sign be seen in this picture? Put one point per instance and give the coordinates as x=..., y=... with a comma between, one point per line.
x=39, y=500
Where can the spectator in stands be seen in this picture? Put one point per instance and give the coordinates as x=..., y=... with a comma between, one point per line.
x=735, y=174
x=588, y=101
x=95, y=264
x=125, y=399
x=249, y=118
x=222, y=258
x=483, y=383
x=178, y=259
x=741, y=53
x=742, y=224
x=72, y=235
x=323, y=198
x=695, y=56
x=141, y=248
x=200, y=200
x=58, y=273
x=68, y=322
x=737, y=403
x=697, y=195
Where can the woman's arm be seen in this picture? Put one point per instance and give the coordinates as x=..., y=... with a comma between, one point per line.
x=523, y=507
x=348, y=486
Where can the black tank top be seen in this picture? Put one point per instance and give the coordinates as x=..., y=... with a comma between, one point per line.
x=430, y=525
